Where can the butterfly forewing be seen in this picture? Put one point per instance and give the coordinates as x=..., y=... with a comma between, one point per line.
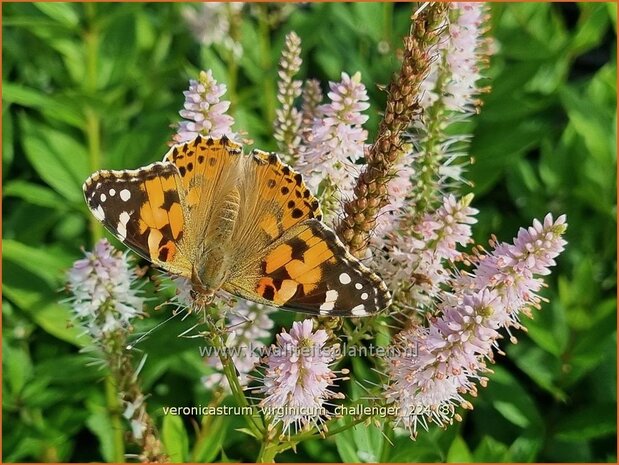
x=209, y=169
x=142, y=208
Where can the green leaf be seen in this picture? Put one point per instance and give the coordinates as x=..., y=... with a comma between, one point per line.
x=541, y=366
x=370, y=15
x=459, y=451
x=63, y=13
x=491, y=450
x=592, y=346
x=99, y=423
x=247, y=431
x=174, y=438
x=499, y=145
x=28, y=289
x=511, y=400
x=58, y=107
x=591, y=28
x=35, y=194
x=526, y=448
x=589, y=422
x=595, y=129
x=424, y=449
x=8, y=130
x=549, y=329
x=61, y=161
x=39, y=261
x=346, y=447
x=17, y=367
x=369, y=442
x=209, y=443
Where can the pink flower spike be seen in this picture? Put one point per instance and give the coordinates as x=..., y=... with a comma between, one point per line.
x=204, y=111
x=298, y=380
x=337, y=136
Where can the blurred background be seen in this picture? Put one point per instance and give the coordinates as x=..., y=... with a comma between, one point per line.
x=90, y=86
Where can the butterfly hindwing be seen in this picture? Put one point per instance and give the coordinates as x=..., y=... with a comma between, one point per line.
x=309, y=269
x=142, y=209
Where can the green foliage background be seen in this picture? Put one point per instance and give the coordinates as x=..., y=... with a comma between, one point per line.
x=88, y=86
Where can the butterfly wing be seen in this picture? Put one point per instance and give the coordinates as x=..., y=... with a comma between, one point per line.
x=143, y=209
x=285, y=256
x=309, y=269
x=209, y=169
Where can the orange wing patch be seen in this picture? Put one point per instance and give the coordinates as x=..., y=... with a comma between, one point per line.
x=142, y=208
x=282, y=190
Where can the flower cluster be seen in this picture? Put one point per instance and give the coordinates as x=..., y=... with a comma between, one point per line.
x=449, y=95
x=337, y=138
x=204, y=112
x=298, y=379
x=452, y=351
x=457, y=68
x=211, y=23
x=104, y=299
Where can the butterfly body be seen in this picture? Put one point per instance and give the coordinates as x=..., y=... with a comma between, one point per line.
x=246, y=224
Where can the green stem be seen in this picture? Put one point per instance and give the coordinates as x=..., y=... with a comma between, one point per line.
x=388, y=23
x=92, y=128
x=118, y=431
x=233, y=66
x=268, y=451
x=230, y=371
x=265, y=62
x=387, y=443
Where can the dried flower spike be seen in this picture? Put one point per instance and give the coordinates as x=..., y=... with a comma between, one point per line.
x=370, y=193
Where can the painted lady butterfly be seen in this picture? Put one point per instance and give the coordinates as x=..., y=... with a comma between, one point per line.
x=246, y=224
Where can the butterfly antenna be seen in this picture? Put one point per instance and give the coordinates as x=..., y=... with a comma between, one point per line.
x=149, y=332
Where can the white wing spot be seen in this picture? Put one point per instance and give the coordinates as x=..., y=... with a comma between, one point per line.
x=327, y=306
x=122, y=225
x=364, y=296
x=125, y=195
x=359, y=310
x=99, y=213
x=103, y=197
x=112, y=192
x=358, y=286
x=330, y=299
x=345, y=278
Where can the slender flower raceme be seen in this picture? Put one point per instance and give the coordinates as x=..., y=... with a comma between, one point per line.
x=103, y=296
x=514, y=270
x=298, y=379
x=337, y=137
x=288, y=118
x=453, y=351
x=311, y=98
x=450, y=95
x=204, y=112
x=370, y=191
x=416, y=260
x=105, y=301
